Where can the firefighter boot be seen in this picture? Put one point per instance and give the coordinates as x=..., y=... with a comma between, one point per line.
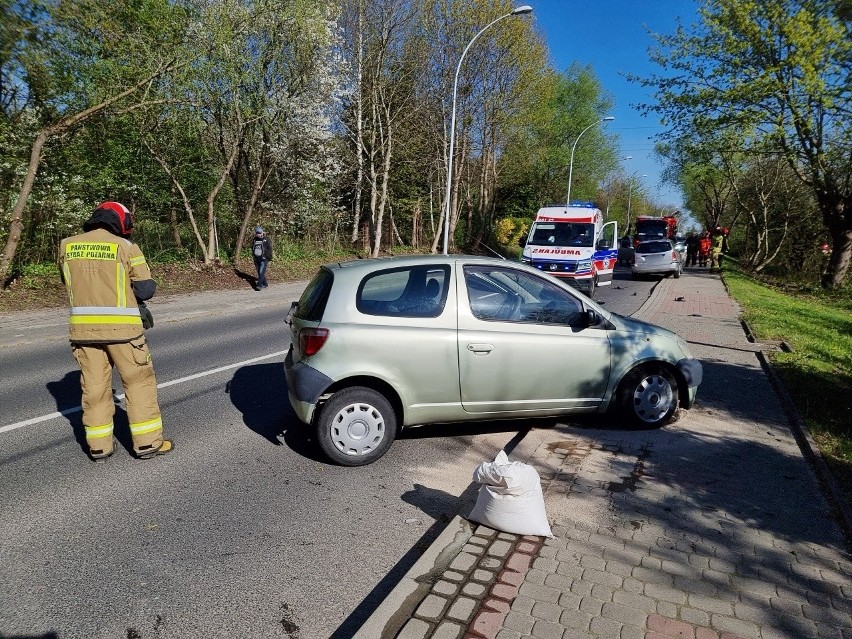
x=99, y=454
x=163, y=447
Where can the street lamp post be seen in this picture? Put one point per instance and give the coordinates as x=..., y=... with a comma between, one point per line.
x=629, y=193
x=515, y=12
x=608, y=118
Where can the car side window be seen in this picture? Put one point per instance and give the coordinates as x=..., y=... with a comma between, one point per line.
x=509, y=295
x=411, y=291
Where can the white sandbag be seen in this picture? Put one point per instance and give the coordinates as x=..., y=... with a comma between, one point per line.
x=510, y=498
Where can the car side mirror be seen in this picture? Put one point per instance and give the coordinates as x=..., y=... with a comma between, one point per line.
x=592, y=318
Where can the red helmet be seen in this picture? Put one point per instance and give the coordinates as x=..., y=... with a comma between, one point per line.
x=125, y=217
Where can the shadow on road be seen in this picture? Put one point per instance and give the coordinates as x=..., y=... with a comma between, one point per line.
x=68, y=394
x=248, y=277
x=259, y=392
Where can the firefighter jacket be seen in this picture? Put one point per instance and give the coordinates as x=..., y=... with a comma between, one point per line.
x=100, y=270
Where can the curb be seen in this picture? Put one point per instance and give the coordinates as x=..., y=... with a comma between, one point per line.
x=398, y=607
x=802, y=435
x=810, y=450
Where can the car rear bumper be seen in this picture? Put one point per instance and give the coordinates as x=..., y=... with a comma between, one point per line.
x=305, y=385
x=655, y=270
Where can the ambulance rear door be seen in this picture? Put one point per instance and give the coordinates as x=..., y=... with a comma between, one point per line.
x=606, y=253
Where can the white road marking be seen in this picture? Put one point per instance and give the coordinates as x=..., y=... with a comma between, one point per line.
x=76, y=409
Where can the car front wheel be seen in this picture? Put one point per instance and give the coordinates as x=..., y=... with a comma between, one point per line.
x=649, y=397
x=356, y=426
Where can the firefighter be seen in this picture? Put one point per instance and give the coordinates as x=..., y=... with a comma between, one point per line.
x=108, y=282
x=704, y=244
x=716, y=250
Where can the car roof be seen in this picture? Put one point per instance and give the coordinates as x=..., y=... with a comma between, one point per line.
x=413, y=260
x=353, y=270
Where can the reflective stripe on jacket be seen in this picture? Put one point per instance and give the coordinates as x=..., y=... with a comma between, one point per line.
x=99, y=269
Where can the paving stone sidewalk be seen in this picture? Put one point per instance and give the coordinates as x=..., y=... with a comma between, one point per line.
x=714, y=527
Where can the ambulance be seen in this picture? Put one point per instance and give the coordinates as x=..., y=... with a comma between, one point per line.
x=574, y=244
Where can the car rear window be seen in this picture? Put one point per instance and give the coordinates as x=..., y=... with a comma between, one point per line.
x=315, y=297
x=410, y=291
x=654, y=247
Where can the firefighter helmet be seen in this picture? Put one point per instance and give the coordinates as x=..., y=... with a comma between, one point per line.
x=114, y=215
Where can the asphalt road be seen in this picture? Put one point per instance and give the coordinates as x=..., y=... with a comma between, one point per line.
x=244, y=530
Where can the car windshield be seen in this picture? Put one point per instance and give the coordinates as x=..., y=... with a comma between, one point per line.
x=654, y=247
x=562, y=234
x=651, y=228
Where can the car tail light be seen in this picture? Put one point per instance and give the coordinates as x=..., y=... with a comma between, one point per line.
x=674, y=256
x=311, y=340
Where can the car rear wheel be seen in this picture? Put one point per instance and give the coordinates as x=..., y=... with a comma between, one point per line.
x=649, y=397
x=356, y=426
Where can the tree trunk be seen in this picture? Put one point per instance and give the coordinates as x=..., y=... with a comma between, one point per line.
x=16, y=225
x=187, y=205
x=173, y=222
x=383, y=199
x=210, y=253
x=455, y=211
x=838, y=262
x=359, y=130
x=257, y=188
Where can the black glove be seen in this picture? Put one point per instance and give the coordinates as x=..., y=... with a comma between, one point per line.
x=147, y=318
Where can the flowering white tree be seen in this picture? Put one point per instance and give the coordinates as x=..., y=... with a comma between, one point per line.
x=265, y=94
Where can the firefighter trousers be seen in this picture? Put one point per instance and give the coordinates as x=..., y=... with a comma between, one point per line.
x=715, y=259
x=133, y=361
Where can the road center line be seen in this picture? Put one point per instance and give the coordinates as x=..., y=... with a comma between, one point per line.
x=76, y=409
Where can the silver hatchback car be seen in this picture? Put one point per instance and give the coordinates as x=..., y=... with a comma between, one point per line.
x=383, y=344
x=657, y=257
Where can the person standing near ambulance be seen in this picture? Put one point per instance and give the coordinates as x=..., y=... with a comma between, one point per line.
x=108, y=281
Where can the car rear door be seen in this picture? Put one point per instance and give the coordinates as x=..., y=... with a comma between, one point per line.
x=523, y=345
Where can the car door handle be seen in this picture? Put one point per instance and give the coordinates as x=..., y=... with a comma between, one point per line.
x=480, y=349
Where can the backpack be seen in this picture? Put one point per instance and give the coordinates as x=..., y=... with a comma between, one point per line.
x=258, y=248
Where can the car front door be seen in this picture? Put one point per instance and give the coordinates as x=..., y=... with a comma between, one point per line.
x=524, y=346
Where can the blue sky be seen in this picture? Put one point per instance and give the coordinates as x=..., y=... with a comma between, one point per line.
x=612, y=37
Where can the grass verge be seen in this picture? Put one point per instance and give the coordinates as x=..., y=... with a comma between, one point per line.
x=817, y=326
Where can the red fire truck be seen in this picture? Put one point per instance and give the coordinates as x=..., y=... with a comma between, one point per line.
x=649, y=228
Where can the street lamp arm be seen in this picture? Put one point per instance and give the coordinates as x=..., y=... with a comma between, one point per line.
x=520, y=10
x=609, y=118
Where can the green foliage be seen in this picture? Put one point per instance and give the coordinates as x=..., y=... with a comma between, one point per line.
x=818, y=327
x=506, y=233
x=40, y=270
x=774, y=79
x=508, y=230
x=537, y=158
x=271, y=78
